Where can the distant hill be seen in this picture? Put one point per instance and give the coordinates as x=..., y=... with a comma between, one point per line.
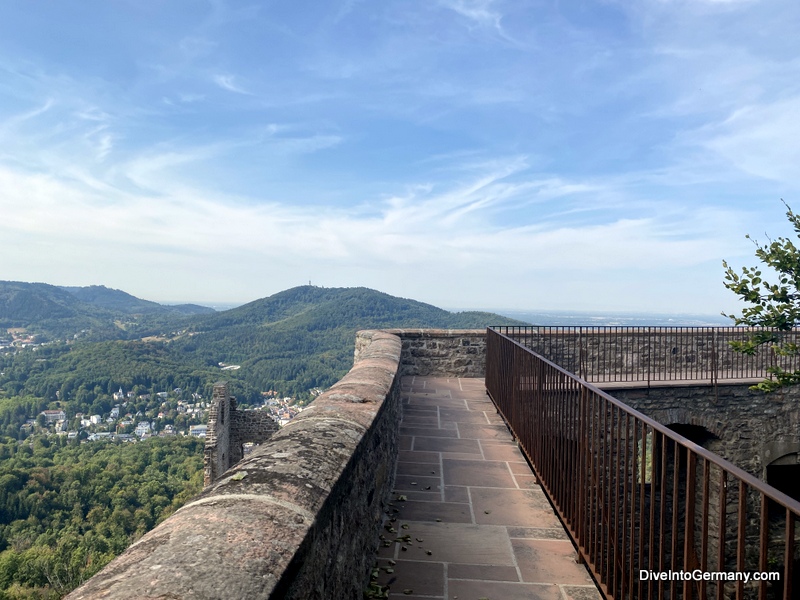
x=361, y=308
x=95, y=311
x=303, y=337
x=293, y=341
x=119, y=301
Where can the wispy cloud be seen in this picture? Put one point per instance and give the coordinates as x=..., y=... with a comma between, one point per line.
x=480, y=12
x=227, y=82
x=762, y=140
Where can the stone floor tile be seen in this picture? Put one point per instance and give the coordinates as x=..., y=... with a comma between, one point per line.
x=421, y=469
x=420, y=421
x=527, y=482
x=519, y=468
x=506, y=452
x=404, y=442
x=482, y=432
x=436, y=401
x=463, y=416
x=448, y=512
x=432, y=495
x=459, y=543
x=416, y=483
x=484, y=572
x=477, y=472
x=428, y=432
x=456, y=493
x=523, y=508
x=424, y=578
x=497, y=590
x=479, y=405
x=420, y=410
x=549, y=561
x=419, y=457
x=581, y=592
x=430, y=444
x=539, y=533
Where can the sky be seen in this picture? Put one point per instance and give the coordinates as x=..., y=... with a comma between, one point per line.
x=530, y=155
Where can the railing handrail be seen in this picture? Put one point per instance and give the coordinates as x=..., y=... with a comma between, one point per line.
x=773, y=493
x=589, y=451
x=628, y=354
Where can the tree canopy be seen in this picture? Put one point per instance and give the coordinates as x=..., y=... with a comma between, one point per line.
x=772, y=295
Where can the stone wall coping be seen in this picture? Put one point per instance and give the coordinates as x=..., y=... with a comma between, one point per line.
x=432, y=333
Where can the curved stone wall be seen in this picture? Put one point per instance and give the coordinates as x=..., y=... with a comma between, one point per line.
x=298, y=518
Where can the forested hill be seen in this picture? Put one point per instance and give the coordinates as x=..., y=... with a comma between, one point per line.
x=310, y=307
x=291, y=342
x=94, y=312
x=303, y=338
x=123, y=302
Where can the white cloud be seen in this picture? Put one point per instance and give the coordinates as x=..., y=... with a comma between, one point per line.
x=226, y=82
x=762, y=140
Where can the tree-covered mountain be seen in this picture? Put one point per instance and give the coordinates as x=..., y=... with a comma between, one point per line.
x=303, y=338
x=292, y=342
x=93, y=312
x=123, y=302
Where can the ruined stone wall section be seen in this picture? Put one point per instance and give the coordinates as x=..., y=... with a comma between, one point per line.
x=442, y=352
x=298, y=518
x=249, y=426
x=216, y=454
x=228, y=430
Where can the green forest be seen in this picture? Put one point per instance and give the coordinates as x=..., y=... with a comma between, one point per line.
x=66, y=509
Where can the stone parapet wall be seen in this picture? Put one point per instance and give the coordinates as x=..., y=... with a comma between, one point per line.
x=442, y=352
x=297, y=519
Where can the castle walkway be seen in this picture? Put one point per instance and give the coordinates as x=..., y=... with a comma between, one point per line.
x=473, y=521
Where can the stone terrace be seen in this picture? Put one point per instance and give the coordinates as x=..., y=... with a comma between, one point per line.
x=475, y=522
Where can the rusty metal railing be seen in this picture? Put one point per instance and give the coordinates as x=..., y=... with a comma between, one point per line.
x=654, y=354
x=635, y=496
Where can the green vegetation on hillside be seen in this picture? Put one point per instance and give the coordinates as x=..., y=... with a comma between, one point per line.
x=67, y=509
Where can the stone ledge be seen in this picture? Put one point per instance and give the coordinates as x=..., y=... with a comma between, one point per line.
x=249, y=534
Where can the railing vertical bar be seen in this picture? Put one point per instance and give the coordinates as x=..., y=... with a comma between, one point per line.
x=763, y=544
x=723, y=526
x=688, y=527
x=704, y=526
x=663, y=507
x=740, y=541
x=621, y=533
x=633, y=470
x=616, y=556
x=642, y=491
x=788, y=554
x=651, y=563
x=603, y=509
x=676, y=476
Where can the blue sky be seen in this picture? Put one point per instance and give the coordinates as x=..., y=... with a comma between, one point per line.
x=574, y=155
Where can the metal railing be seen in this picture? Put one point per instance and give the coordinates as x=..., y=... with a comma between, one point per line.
x=654, y=354
x=634, y=495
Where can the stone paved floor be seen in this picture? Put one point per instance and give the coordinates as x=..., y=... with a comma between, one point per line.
x=476, y=524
